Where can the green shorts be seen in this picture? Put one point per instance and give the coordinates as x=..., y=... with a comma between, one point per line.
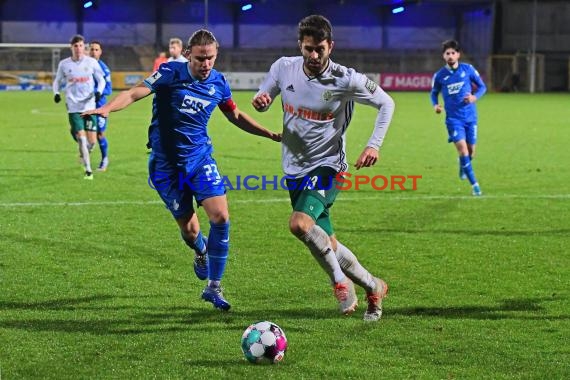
x=78, y=123
x=314, y=195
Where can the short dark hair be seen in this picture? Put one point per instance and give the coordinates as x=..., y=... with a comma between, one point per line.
x=96, y=42
x=77, y=38
x=450, y=44
x=202, y=37
x=316, y=26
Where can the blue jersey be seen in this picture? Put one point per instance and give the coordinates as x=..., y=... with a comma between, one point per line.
x=181, y=108
x=108, y=86
x=454, y=86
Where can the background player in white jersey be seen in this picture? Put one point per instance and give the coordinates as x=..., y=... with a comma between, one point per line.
x=79, y=73
x=318, y=99
x=181, y=166
x=95, y=51
x=175, y=51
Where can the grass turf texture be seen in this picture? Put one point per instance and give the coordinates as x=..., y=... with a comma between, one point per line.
x=105, y=289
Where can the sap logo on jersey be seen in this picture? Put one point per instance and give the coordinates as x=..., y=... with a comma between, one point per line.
x=193, y=105
x=454, y=88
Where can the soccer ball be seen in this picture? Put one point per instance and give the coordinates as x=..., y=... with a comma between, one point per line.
x=264, y=342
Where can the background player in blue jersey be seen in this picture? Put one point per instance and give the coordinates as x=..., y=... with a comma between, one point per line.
x=95, y=51
x=181, y=165
x=460, y=86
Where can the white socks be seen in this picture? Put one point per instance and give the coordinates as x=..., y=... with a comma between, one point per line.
x=318, y=242
x=82, y=141
x=353, y=269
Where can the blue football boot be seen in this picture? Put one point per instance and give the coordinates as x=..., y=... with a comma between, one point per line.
x=216, y=297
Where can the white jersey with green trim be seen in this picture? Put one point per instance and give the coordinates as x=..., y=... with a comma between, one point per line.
x=79, y=78
x=317, y=111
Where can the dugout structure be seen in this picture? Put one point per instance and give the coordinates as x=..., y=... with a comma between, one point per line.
x=514, y=73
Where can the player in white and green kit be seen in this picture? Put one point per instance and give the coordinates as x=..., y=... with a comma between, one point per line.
x=318, y=98
x=78, y=74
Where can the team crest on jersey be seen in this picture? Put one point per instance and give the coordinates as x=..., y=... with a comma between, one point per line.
x=153, y=78
x=212, y=90
x=370, y=86
x=193, y=105
x=463, y=74
x=327, y=95
x=454, y=88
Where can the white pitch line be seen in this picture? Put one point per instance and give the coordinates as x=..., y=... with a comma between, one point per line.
x=283, y=200
x=36, y=111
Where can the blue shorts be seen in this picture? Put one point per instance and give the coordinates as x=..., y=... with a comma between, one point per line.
x=101, y=124
x=457, y=130
x=101, y=121
x=178, y=187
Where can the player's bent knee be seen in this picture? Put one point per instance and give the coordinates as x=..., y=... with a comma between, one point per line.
x=298, y=226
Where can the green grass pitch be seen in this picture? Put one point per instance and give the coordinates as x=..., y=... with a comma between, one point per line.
x=96, y=283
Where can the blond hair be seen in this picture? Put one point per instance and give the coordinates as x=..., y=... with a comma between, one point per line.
x=175, y=41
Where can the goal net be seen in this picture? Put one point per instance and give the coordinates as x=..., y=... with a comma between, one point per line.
x=29, y=66
x=514, y=73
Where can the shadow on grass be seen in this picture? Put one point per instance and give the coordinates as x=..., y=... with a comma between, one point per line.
x=217, y=363
x=90, y=315
x=240, y=361
x=520, y=308
x=59, y=304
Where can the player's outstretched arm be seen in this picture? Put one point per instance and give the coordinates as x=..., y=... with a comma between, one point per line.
x=246, y=123
x=123, y=100
x=385, y=105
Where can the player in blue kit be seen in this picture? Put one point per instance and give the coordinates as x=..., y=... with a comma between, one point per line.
x=181, y=165
x=460, y=86
x=95, y=51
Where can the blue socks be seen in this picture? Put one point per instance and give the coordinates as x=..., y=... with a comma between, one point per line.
x=198, y=245
x=218, y=249
x=467, y=169
x=103, y=145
